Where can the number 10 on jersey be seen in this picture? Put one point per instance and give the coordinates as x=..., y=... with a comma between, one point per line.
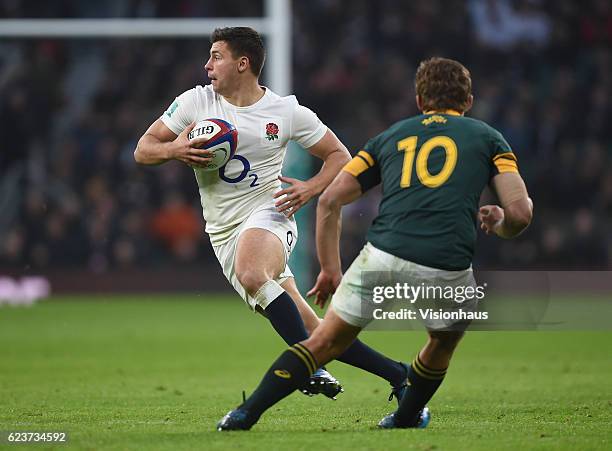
x=409, y=147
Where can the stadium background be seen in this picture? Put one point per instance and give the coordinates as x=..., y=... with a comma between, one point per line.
x=155, y=369
x=75, y=206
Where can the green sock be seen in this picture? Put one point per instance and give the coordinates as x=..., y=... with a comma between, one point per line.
x=422, y=384
x=290, y=371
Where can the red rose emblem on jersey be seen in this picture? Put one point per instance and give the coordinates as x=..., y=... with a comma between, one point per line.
x=271, y=131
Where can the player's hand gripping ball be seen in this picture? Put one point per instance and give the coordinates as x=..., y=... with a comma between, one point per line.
x=221, y=139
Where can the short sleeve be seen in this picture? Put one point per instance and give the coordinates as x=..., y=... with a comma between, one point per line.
x=181, y=112
x=364, y=167
x=306, y=128
x=502, y=157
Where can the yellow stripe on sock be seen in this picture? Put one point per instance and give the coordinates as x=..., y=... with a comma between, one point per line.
x=426, y=368
x=423, y=372
x=418, y=371
x=431, y=373
x=304, y=360
x=308, y=355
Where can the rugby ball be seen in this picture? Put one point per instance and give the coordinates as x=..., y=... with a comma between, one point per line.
x=221, y=138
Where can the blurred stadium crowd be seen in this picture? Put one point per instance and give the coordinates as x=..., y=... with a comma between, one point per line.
x=72, y=110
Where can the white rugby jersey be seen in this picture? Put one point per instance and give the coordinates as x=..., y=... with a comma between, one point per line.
x=250, y=179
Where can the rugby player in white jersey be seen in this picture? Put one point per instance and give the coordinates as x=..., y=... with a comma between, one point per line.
x=249, y=217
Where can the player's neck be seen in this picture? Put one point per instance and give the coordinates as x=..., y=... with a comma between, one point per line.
x=246, y=95
x=450, y=112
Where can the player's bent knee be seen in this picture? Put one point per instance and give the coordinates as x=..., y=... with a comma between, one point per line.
x=252, y=279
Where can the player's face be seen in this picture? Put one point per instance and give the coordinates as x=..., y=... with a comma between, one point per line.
x=222, y=68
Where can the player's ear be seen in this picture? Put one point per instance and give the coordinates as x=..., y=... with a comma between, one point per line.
x=469, y=103
x=243, y=64
x=419, y=102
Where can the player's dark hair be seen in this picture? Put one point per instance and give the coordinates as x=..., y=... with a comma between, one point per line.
x=243, y=41
x=443, y=84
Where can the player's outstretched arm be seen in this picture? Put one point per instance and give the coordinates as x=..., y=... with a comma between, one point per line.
x=343, y=190
x=160, y=144
x=516, y=212
x=334, y=155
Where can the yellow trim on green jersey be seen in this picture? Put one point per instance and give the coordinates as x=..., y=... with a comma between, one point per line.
x=449, y=112
x=356, y=166
x=509, y=155
x=367, y=156
x=505, y=162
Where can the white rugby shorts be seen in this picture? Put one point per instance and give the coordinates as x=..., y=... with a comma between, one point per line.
x=353, y=300
x=266, y=218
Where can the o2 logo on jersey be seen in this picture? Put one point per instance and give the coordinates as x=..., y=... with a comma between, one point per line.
x=246, y=167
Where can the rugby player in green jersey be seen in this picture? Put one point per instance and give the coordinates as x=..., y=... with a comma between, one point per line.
x=433, y=168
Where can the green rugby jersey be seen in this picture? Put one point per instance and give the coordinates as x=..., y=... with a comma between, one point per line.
x=433, y=169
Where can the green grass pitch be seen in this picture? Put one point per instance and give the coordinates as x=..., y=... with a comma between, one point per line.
x=157, y=372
